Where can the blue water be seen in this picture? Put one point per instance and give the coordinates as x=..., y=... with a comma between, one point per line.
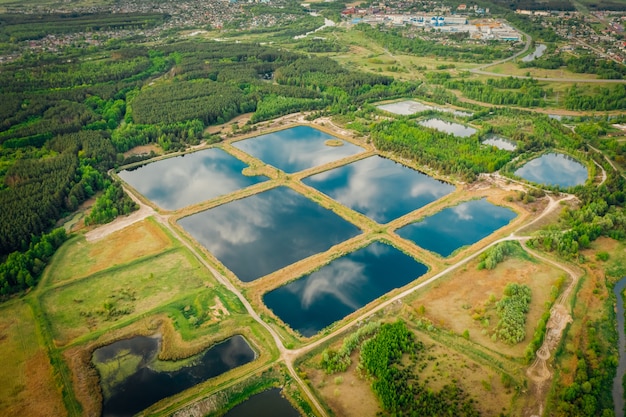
x=381, y=189
x=458, y=226
x=449, y=127
x=262, y=233
x=146, y=386
x=554, y=169
x=296, y=149
x=346, y=284
x=188, y=179
x=268, y=403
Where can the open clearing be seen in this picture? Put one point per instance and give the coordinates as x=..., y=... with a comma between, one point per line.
x=98, y=301
x=27, y=387
x=80, y=258
x=455, y=301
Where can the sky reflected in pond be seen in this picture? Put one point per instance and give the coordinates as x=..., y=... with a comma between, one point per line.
x=296, y=149
x=262, y=233
x=458, y=226
x=380, y=188
x=449, y=127
x=334, y=291
x=554, y=169
x=184, y=180
x=500, y=142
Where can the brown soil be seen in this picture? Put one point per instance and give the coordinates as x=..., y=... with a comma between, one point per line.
x=144, y=150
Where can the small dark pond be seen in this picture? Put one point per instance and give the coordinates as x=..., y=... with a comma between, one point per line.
x=297, y=149
x=268, y=403
x=500, y=142
x=132, y=378
x=346, y=284
x=267, y=231
x=458, y=226
x=184, y=180
x=554, y=169
x=449, y=127
x=379, y=188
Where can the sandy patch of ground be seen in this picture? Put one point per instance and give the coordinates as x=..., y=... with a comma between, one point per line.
x=144, y=150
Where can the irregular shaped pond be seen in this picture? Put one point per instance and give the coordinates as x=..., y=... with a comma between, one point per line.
x=317, y=300
x=298, y=148
x=266, y=404
x=449, y=127
x=267, y=231
x=177, y=182
x=409, y=107
x=132, y=378
x=457, y=226
x=554, y=169
x=539, y=50
x=379, y=188
x=500, y=142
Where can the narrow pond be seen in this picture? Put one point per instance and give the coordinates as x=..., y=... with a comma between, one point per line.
x=409, y=107
x=618, y=388
x=539, y=51
x=298, y=148
x=132, y=378
x=554, y=169
x=380, y=188
x=267, y=231
x=458, y=226
x=346, y=284
x=449, y=127
x=184, y=180
x=268, y=403
x=500, y=142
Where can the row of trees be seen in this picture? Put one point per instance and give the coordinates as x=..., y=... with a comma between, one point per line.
x=398, y=387
x=512, y=309
x=447, y=153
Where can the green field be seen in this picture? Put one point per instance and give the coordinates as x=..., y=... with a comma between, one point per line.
x=107, y=298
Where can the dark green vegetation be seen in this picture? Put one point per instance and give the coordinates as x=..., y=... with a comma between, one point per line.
x=339, y=361
x=397, y=385
x=490, y=258
x=512, y=309
x=438, y=150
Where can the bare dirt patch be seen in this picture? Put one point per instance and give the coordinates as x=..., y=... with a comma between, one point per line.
x=144, y=150
x=454, y=301
x=27, y=387
x=82, y=258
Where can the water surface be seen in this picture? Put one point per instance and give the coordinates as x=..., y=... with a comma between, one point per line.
x=449, y=127
x=409, y=107
x=297, y=149
x=346, y=284
x=539, y=50
x=184, y=180
x=500, y=142
x=379, y=188
x=268, y=403
x=554, y=169
x=262, y=233
x=458, y=226
x=131, y=378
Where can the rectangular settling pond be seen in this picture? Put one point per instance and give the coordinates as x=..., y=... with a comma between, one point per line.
x=297, y=149
x=132, y=378
x=381, y=189
x=329, y=294
x=262, y=233
x=458, y=226
x=188, y=179
x=449, y=127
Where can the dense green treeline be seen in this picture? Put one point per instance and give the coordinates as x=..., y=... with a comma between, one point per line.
x=504, y=91
x=586, y=64
x=397, y=386
x=396, y=41
x=512, y=309
x=603, y=98
x=18, y=27
x=450, y=154
x=21, y=270
x=110, y=204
